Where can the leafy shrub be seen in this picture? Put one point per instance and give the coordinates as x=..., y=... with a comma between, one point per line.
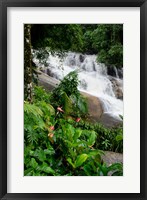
x=112, y=56
x=40, y=94
x=59, y=145
x=108, y=139
x=67, y=95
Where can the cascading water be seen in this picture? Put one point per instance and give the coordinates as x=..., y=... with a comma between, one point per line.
x=93, y=78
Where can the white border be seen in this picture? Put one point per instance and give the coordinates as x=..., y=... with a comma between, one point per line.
x=130, y=182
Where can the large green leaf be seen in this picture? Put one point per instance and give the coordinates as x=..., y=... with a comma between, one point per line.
x=80, y=160
x=33, y=163
x=45, y=168
x=77, y=134
x=95, y=152
x=92, y=138
x=49, y=151
x=68, y=131
x=67, y=103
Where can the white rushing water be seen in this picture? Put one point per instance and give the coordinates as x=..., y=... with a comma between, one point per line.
x=93, y=77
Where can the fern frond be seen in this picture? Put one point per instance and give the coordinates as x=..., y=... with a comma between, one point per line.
x=32, y=109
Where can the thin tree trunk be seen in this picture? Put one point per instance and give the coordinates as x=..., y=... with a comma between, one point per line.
x=27, y=63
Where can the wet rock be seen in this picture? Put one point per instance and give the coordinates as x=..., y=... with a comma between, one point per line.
x=120, y=73
x=119, y=93
x=81, y=58
x=94, y=107
x=47, y=82
x=110, y=121
x=110, y=157
x=117, y=88
x=111, y=71
x=48, y=71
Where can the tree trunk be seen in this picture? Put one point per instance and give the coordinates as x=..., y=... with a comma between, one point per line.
x=27, y=63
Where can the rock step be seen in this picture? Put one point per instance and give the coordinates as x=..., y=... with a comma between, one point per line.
x=110, y=157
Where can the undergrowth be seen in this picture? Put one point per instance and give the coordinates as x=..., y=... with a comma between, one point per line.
x=58, y=140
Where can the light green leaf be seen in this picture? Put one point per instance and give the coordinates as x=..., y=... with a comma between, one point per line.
x=45, y=168
x=95, y=152
x=51, y=109
x=70, y=162
x=49, y=151
x=92, y=138
x=119, y=138
x=48, y=170
x=80, y=160
x=77, y=134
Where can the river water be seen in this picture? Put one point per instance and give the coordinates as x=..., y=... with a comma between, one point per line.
x=93, y=76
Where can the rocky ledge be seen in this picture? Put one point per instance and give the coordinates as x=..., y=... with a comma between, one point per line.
x=110, y=157
x=95, y=107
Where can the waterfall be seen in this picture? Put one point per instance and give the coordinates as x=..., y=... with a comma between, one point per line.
x=116, y=72
x=93, y=77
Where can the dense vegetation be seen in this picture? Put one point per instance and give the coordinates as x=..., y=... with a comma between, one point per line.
x=59, y=142
x=58, y=138
x=104, y=40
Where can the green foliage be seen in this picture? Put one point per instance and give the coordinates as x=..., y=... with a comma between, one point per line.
x=107, y=139
x=58, y=146
x=67, y=95
x=58, y=37
x=115, y=169
x=106, y=40
x=69, y=85
x=67, y=104
x=32, y=109
x=110, y=44
x=40, y=94
x=114, y=56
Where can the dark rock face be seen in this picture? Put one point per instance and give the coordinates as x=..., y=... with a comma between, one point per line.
x=81, y=58
x=48, y=71
x=111, y=71
x=120, y=73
